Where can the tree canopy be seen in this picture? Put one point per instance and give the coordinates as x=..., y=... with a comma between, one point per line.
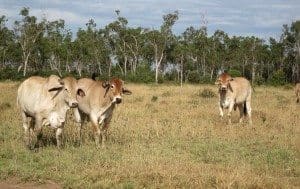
x=36, y=46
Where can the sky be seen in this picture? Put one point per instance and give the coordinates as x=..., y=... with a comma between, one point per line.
x=263, y=19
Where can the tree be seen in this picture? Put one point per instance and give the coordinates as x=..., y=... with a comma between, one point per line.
x=158, y=40
x=6, y=42
x=27, y=32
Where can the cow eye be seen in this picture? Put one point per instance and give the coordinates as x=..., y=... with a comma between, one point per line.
x=112, y=86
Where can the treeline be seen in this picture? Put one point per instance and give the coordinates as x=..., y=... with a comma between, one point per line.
x=41, y=47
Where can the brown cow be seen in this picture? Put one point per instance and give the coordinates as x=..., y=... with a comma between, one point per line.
x=97, y=101
x=297, y=91
x=44, y=101
x=234, y=92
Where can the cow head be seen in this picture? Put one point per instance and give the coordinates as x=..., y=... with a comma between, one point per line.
x=62, y=90
x=223, y=81
x=115, y=89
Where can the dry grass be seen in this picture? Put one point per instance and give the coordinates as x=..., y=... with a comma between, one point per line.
x=165, y=137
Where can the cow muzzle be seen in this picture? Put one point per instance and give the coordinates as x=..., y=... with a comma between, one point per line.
x=223, y=88
x=118, y=100
x=73, y=104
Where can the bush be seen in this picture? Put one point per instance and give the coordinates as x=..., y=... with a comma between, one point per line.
x=10, y=74
x=259, y=80
x=193, y=77
x=205, y=80
x=234, y=73
x=144, y=74
x=278, y=78
x=207, y=93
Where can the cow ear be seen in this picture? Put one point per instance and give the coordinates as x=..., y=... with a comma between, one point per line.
x=55, y=83
x=217, y=82
x=126, y=91
x=80, y=92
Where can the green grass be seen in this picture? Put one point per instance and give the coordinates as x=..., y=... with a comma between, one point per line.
x=174, y=141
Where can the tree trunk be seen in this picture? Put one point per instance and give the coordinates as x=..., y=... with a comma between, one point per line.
x=156, y=71
x=109, y=68
x=25, y=64
x=122, y=72
x=125, y=65
x=181, y=70
x=253, y=73
x=211, y=74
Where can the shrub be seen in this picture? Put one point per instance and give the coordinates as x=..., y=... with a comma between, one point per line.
x=144, y=74
x=11, y=74
x=234, y=73
x=193, y=77
x=154, y=98
x=278, y=78
x=205, y=80
x=207, y=93
x=259, y=80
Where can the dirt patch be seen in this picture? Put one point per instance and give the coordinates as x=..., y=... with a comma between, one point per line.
x=15, y=184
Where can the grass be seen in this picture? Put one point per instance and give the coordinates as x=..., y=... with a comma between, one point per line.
x=164, y=137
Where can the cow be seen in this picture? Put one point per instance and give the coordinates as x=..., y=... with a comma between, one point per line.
x=234, y=92
x=297, y=91
x=97, y=100
x=44, y=101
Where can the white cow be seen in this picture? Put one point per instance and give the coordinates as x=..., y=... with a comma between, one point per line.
x=44, y=101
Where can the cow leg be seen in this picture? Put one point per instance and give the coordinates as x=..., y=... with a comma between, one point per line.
x=26, y=126
x=229, y=112
x=104, y=131
x=221, y=110
x=37, y=131
x=248, y=107
x=241, y=109
x=58, y=135
x=96, y=129
x=79, y=118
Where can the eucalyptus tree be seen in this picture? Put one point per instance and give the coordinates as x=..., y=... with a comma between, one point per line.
x=135, y=40
x=57, y=38
x=180, y=54
x=118, y=36
x=27, y=32
x=218, y=50
x=158, y=40
x=96, y=45
x=197, y=42
x=6, y=42
x=291, y=42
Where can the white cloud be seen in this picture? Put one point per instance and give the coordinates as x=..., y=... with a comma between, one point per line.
x=243, y=17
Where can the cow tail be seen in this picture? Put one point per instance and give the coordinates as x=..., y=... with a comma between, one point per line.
x=245, y=108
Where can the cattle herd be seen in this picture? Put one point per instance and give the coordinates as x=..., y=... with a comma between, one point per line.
x=45, y=102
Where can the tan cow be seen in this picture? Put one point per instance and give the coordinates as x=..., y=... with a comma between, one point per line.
x=44, y=101
x=98, y=102
x=297, y=91
x=234, y=92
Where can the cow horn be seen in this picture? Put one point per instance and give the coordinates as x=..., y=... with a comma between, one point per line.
x=61, y=81
x=94, y=76
x=105, y=84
